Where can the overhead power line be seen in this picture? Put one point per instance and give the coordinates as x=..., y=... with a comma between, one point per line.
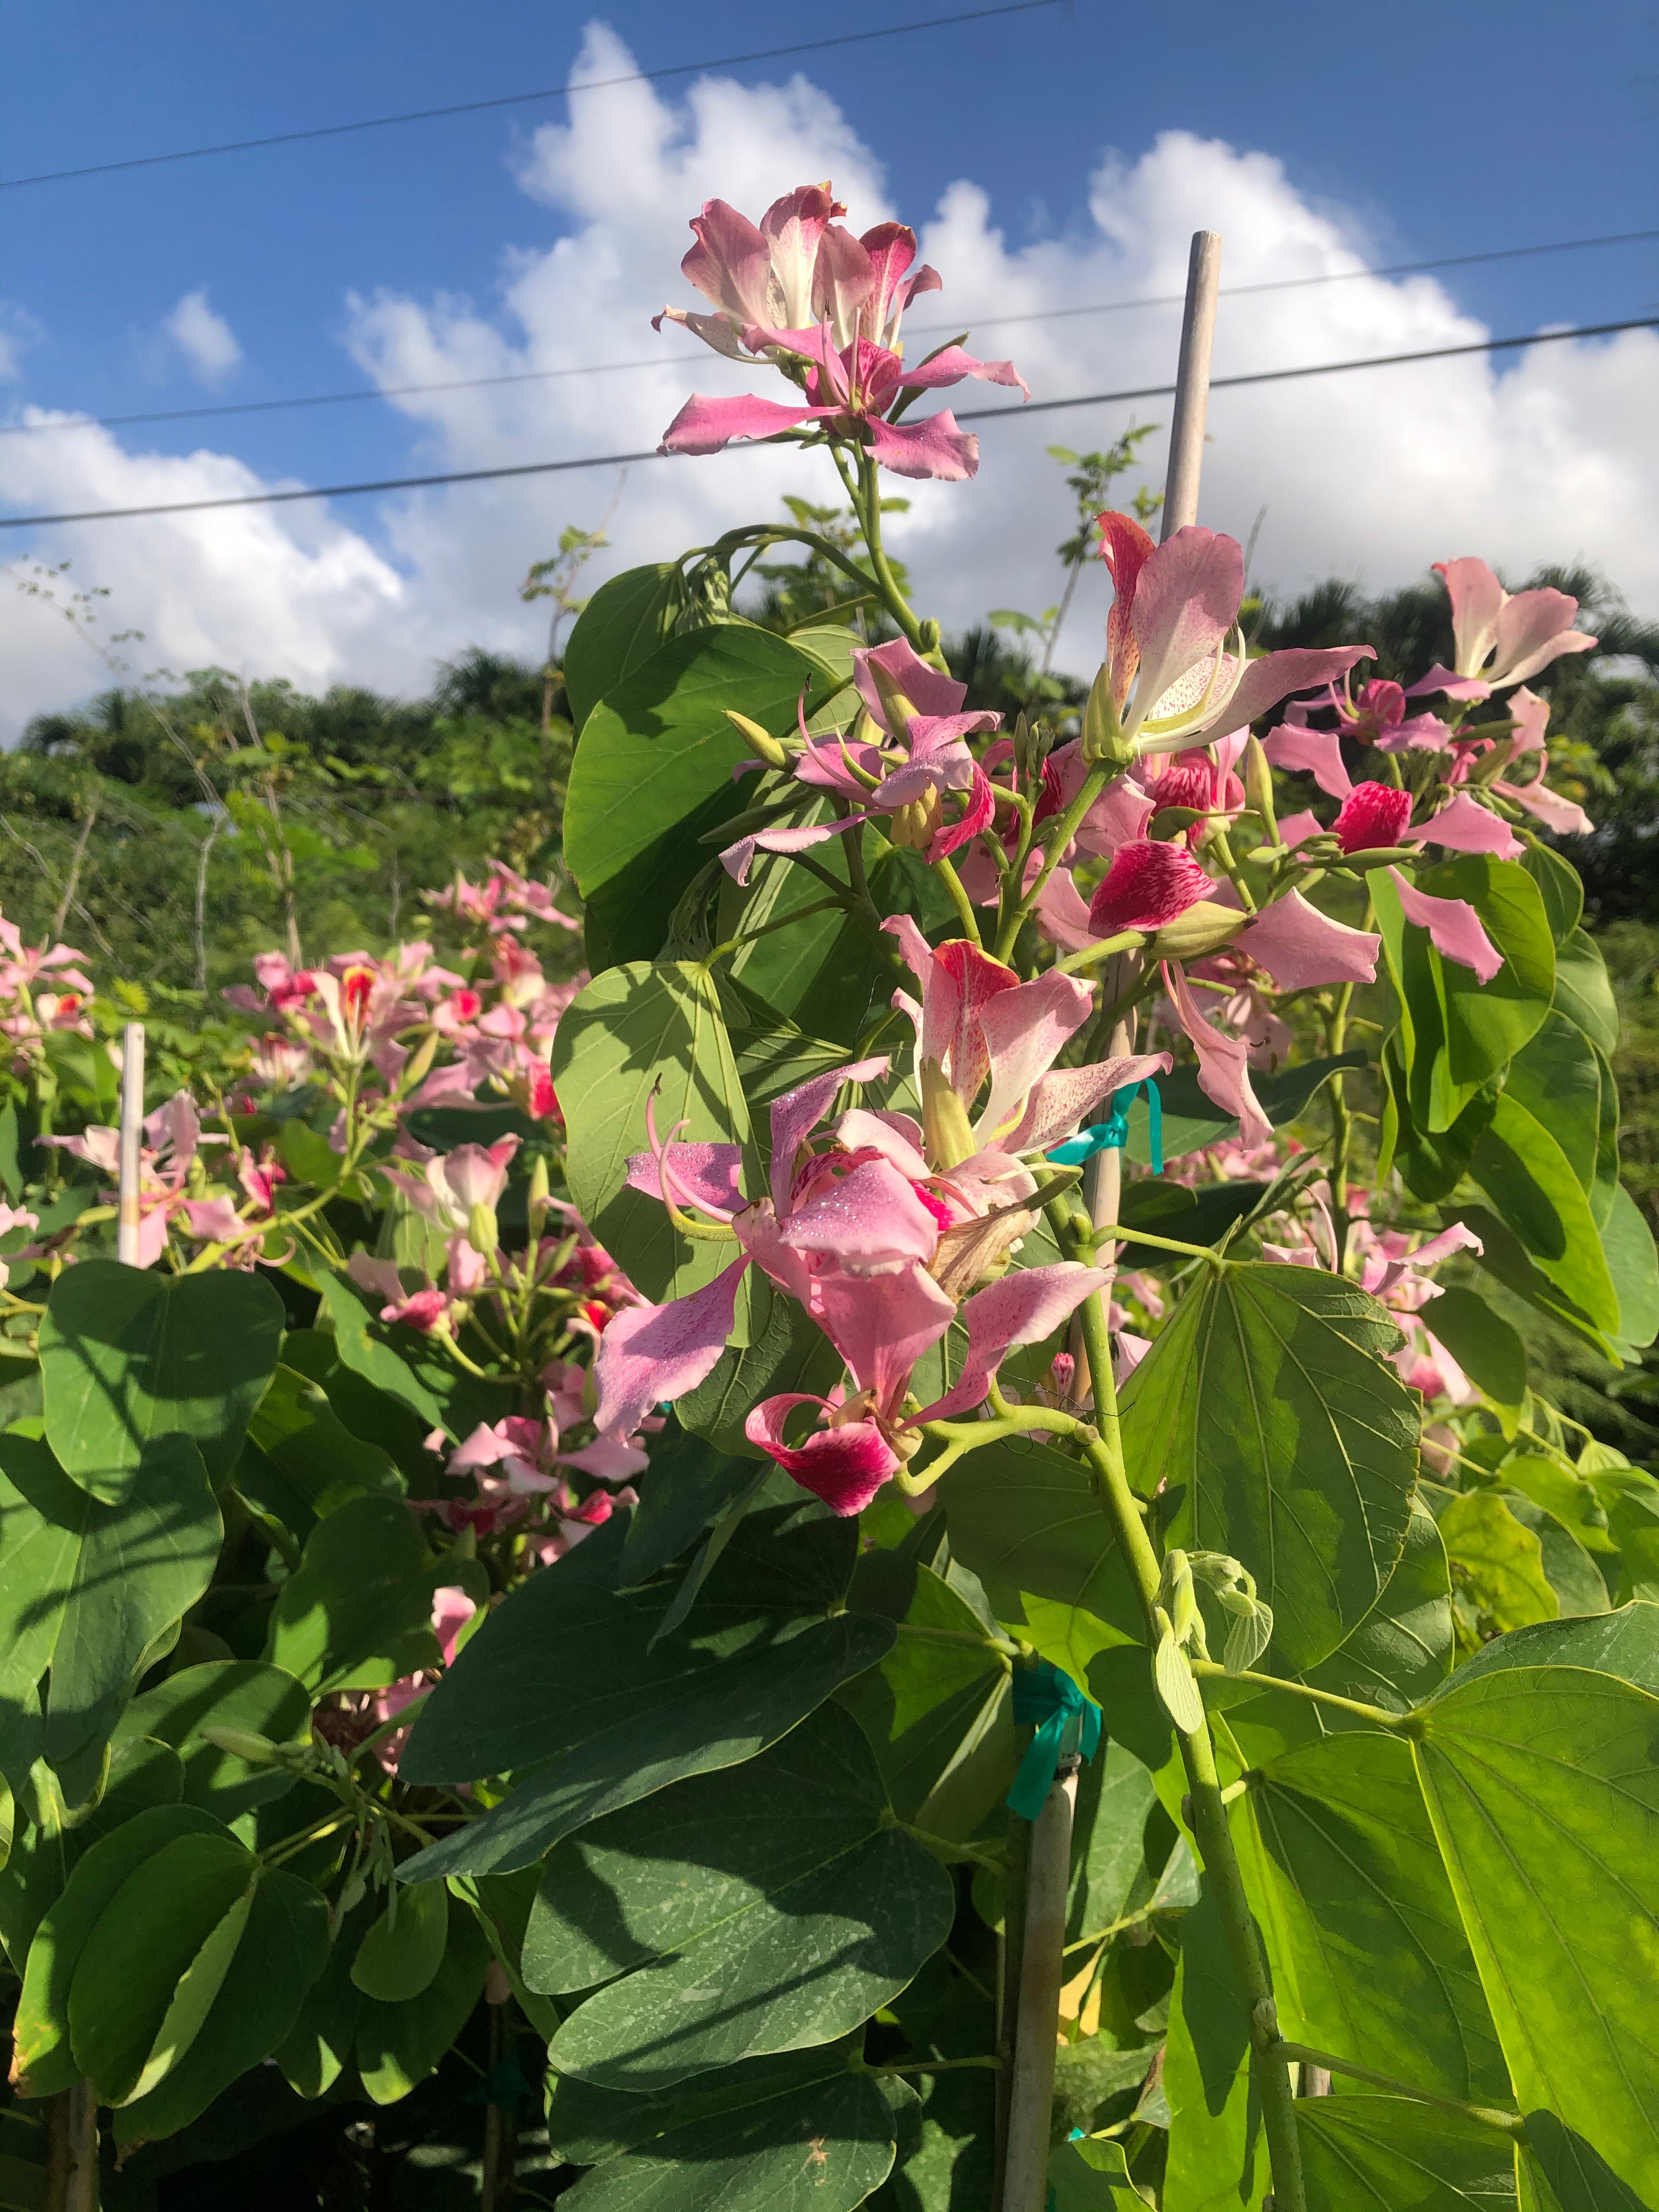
x=525, y=99
x=967, y=415
x=916, y=329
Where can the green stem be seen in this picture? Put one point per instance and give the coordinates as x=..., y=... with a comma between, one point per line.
x=931, y=2065
x=1509, y=2123
x=870, y=523
x=1209, y=1814
x=1065, y=830
x=1115, y=1232
x=959, y=899
x=1213, y=1670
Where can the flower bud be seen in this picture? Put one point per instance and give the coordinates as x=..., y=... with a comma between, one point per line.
x=1259, y=786
x=537, y=1198
x=914, y=827
x=896, y=709
x=764, y=746
x=243, y=1744
x=1103, y=739
x=418, y=1065
x=1205, y=927
x=945, y=1130
x=481, y=1232
x=1032, y=744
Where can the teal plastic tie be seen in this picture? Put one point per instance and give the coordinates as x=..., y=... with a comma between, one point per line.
x=1065, y=1722
x=1113, y=1133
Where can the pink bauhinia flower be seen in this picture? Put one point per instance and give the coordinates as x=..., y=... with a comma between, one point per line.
x=1148, y=883
x=167, y=1166
x=1564, y=816
x=918, y=756
x=1461, y=825
x=878, y=1235
x=1372, y=816
x=1177, y=664
x=1454, y=926
x=801, y=290
x=1501, y=638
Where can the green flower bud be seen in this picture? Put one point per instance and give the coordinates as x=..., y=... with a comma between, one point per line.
x=1104, y=740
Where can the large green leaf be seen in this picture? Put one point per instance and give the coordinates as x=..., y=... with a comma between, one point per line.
x=1633, y=1264
x=803, y=2132
x=87, y=1588
x=1026, y=1520
x=1557, y=1077
x=1218, y=2160
x=773, y=1924
x=398, y=2045
x=1498, y=1565
x=402, y=1951
x=1490, y=1352
x=688, y=1484
x=281, y=1949
x=1366, y=2154
x=300, y=1461
x=356, y=1612
x=653, y=772
x=1583, y=992
x=766, y=1643
x=936, y=1710
x=1605, y=1188
x=223, y=1693
x=1544, y=1789
x=1624, y=1642
x=1530, y=1182
x=625, y=622
x=145, y=1941
x=128, y=1356
x=1369, y=1958
x=1504, y=1257
x=42, y=2053
x=635, y=1031
x=1400, y=1652
x=1266, y=1408
x=1115, y=1795
x=1487, y=1024
x=1562, y=888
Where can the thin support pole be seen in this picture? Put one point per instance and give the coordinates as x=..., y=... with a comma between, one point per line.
x=132, y=1132
x=1026, y=2169
x=71, y=2133
x=1192, y=399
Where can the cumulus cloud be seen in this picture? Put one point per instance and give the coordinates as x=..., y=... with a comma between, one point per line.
x=1551, y=456
x=203, y=337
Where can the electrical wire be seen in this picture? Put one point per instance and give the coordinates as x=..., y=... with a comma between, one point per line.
x=968, y=414
x=916, y=329
x=522, y=98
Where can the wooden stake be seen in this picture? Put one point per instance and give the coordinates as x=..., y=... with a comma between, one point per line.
x=132, y=1136
x=1192, y=399
x=1030, y=2105
x=71, y=2134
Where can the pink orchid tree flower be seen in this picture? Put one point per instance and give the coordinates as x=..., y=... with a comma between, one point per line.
x=917, y=756
x=1177, y=664
x=1501, y=638
x=880, y=1235
x=803, y=293
x=173, y=1187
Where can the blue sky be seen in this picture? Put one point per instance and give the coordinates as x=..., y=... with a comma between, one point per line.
x=1447, y=131
x=1416, y=131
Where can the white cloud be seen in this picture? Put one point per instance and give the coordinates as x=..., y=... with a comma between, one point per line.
x=1373, y=475
x=205, y=337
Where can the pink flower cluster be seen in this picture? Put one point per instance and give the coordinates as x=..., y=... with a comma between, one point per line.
x=802, y=292
x=41, y=990
x=175, y=1189
x=882, y=1232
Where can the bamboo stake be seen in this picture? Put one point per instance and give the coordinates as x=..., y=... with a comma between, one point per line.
x=132, y=1132
x=1192, y=399
x=1025, y=2170
x=71, y=2133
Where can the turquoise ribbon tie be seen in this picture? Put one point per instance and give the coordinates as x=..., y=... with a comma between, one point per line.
x=1065, y=1722
x=1113, y=1133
